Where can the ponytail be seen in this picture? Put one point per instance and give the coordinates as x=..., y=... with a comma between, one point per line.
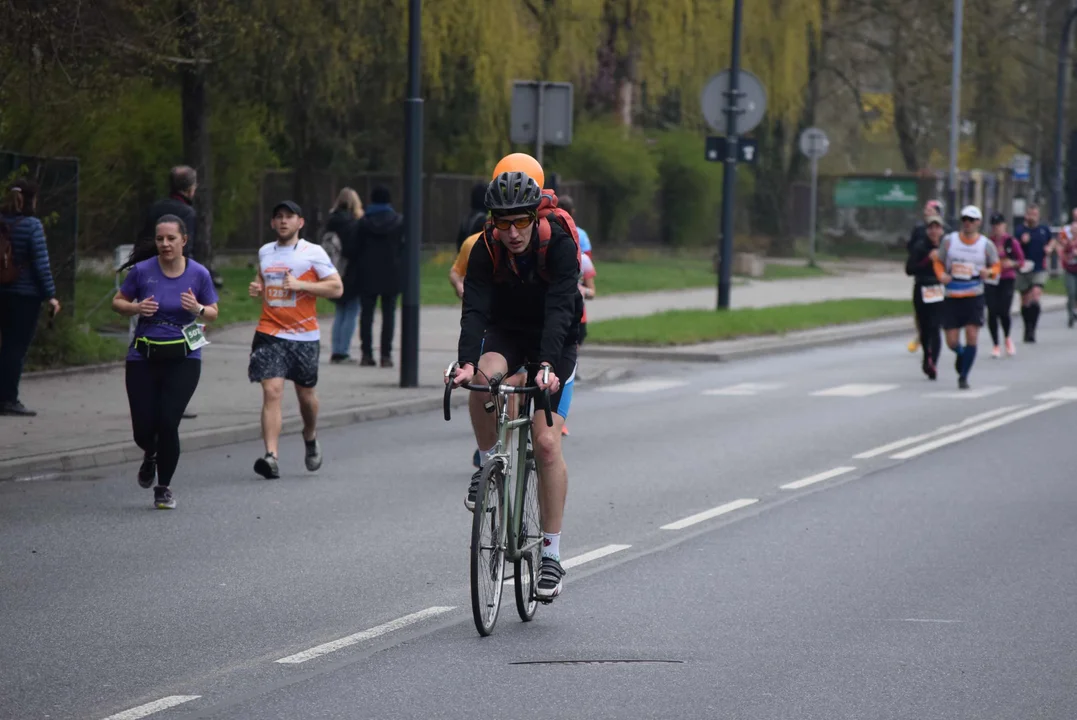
x=146, y=249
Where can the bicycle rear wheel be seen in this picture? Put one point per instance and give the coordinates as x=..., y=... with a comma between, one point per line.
x=526, y=568
x=487, y=551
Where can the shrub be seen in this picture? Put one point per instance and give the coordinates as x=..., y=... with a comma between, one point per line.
x=68, y=343
x=690, y=190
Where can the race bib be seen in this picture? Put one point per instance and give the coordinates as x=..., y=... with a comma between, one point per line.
x=962, y=271
x=195, y=336
x=931, y=293
x=275, y=294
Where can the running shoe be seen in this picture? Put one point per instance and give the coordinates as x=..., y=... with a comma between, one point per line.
x=962, y=383
x=551, y=579
x=1011, y=349
x=929, y=369
x=996, y=352
x=473, y=490
x=147, y=473
x=163, y=499
x=564, y=430
x=313, y=457
x=267, y=467
x=914, y=345
x=16, y=408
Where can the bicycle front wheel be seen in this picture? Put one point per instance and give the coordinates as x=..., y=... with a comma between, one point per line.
x=527, y=568
x=487, y=549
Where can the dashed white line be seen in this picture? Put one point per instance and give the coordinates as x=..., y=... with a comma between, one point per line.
x=644, y=386
x=975, y=430
x=817, y=478
x=744, y=389
x=359, y=637
x=150, y=708
x=708, y=514
x=593, y=555
x=1062, y=393
x=854, y=390
x=905, y=442
x=979, y=392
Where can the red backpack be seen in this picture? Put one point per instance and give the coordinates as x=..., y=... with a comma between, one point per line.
x=547, y=212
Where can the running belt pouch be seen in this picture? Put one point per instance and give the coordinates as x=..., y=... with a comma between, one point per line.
x=161, y=350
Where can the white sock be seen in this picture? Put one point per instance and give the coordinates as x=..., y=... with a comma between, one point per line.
x=551, y=545
x=485, y=455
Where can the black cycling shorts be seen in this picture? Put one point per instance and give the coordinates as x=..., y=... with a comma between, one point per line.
x=959, y=312
x=521, y=355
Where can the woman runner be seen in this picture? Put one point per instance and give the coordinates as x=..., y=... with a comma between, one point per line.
x=171, y=295
x=1000, y=293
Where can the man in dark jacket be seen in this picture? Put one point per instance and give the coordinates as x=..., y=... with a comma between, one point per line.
x=380, y=243
x=928, y=292
x=476, y=217
x=182, y=183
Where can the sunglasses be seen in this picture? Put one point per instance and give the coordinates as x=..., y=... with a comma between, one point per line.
x=968, y=219
x=520, y=223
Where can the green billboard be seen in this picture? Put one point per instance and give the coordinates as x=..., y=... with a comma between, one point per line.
x=875, y=193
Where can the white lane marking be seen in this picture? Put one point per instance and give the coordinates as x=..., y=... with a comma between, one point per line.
x=1062, y=393
x=817, y=478
x=644, y=386
x=904, y=442
x=150, y=708
x=963, y=394
x=586, y=557
x=744, y=389
x=854, y=390
x=359, y=637
x=593, y=555
x=708, y=514
x=975, y=430
x=925, y=620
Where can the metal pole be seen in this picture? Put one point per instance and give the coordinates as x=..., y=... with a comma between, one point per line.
x=729, y=177
x=814, y=202
x=413, y=203
x=540, y=112
x=955, y=114
x=1060, y=117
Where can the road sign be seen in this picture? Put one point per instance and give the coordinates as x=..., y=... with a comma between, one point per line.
x=747, y=150
x=814, y=143
x=1021, y=165
x=752, y=103
x=555, y=124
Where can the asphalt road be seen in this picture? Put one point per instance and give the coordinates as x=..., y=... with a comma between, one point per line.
x=918, y=565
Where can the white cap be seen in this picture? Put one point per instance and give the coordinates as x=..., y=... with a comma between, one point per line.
x=971, y=211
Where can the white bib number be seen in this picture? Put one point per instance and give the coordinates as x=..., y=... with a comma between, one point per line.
x=195, y=336
x=275, y=294
x=931, y=293
x=962, y=271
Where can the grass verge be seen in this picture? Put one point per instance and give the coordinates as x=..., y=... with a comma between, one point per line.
x=69, y=344
x=682, y=327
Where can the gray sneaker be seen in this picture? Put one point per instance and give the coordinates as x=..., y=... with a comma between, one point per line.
x=163, y=498
x=314, y=454
x=267, y=467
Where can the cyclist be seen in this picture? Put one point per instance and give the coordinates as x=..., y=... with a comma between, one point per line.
x=962, y=263
x=522, y=309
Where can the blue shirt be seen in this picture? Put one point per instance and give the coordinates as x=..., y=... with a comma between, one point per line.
x=1035, y=247
x=32, y=258
x=585, y=239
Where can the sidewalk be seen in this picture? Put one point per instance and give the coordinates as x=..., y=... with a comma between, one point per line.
x=83, y=418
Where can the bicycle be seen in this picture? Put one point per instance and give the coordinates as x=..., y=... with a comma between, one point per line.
x=493, y=540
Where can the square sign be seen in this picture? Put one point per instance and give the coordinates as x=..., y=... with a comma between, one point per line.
x=556, y=113
x=747, y=150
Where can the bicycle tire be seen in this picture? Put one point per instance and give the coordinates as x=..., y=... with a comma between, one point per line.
x=487, y=572
x=525, y=570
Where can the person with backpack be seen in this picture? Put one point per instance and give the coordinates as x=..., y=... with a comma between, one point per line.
x=521, y=311
x=380, y=247
x=25, y=282
x=475, y=218
x=999, y=292
x=339, y=243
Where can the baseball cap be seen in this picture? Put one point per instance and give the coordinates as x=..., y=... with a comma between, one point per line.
x=288, y=205
x=998, y=218
x=935, y=219
x=971, y=211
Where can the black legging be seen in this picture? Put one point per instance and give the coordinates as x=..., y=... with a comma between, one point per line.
x=999, y=303
x=158, y=393
x=366, y=323
x=930, y=323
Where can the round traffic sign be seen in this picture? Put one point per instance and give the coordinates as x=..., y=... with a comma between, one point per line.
x=752, y=102
x=814, y=143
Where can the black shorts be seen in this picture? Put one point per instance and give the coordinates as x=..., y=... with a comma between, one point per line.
x=274, y=357
x=522, y=354
x=961, y=312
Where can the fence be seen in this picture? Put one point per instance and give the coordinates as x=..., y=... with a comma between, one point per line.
x=57, y=206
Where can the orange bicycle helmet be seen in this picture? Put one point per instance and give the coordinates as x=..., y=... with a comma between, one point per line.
x=521, y=162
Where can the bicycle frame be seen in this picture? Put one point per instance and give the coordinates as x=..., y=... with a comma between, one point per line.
x=511, y=509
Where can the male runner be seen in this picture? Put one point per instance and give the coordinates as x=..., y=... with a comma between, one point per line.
x=292, y=275
x=522, y=309
x=1037, y=244
x=962, y=263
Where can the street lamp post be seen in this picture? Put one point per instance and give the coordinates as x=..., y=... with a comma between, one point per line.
x=955, y=113
x=1060, y=116
x=413, y=202
x=729, y=177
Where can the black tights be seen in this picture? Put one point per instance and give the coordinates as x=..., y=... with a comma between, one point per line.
x=929, y=322
x=158, y=393
x=999, y=303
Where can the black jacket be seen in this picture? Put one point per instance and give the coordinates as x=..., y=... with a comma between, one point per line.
x=344, y=224
x=544, y=315
x=919, y=264
x=180, y=207
x=469, y=226
x=379, y=238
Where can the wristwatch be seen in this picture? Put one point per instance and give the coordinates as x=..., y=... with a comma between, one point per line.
x=201, y=310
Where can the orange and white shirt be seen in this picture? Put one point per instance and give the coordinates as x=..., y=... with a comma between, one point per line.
x=288, y=314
